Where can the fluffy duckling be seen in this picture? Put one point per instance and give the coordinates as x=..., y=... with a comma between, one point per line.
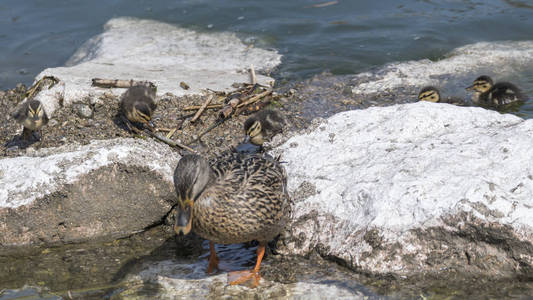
x=431, y=94
x=32, y=116
x=137, y=104
x=263, y=125
x=234, y=198
x=486, y=93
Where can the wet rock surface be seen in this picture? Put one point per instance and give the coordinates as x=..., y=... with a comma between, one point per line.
x=424, y=188
x=107, y=189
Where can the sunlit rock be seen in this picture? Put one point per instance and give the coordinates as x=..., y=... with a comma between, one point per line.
x=107, y=189
x=414, y=188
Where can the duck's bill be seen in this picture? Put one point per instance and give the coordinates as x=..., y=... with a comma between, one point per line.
x=183, y=221
x=150, y=125
x=470, y=88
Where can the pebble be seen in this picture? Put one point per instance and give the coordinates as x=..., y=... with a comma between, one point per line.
x=83, y=110
x=96, y=101
x=30, y=150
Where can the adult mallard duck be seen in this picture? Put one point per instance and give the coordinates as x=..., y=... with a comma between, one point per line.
x=486, y=93
x=263, y=125
x=32, y=116
x=431, y=94
x=234, y=198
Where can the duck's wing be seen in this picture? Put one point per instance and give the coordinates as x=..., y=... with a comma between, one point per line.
x=503, y=93
x=20, y=113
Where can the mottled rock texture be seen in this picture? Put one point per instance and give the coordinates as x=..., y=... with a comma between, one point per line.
x=415, y=188
x=107, y=189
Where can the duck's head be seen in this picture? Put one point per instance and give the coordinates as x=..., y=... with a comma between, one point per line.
x=191, y=177
x=142, y=113
x=429, y=93
x=35, y=111
x=481, y=84
x=254, y=131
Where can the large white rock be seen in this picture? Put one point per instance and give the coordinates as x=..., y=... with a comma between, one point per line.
x=73, y=193
x=414, y=188
x=464, y=63
x=161, y=53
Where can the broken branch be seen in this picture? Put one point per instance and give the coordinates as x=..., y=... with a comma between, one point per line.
x=195, y=107
x=255, y=98
x=169, y=141
x=202, y=108
x=252, y=72
x=119, y=83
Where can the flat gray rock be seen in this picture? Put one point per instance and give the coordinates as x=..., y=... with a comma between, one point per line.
x=415, y=188
x=107, y=189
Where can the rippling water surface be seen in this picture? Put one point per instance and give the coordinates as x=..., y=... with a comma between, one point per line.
x=346, y=38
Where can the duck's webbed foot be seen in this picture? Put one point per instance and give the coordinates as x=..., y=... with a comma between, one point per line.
x=247, y=277
x=243, y=277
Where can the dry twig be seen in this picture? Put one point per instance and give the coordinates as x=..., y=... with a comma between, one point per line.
x=170, y=142
x=252, y=72
x=255, y=98
x=119, y=83
x=202, y=108
x=195, y=107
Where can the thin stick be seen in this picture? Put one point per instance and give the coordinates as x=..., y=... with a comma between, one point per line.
x=252, y=72
x=202, y=108
x=37, y=85
x=171, y=133
x=119, y=83
x=178, y=126
x=254, y=98
x=217, y=123
x=169, y=141
x=183, y=117
x=195, y=107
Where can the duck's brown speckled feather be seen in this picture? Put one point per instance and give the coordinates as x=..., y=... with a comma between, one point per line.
x=246, y=201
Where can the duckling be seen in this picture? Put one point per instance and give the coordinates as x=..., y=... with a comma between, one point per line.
x=431, y=94
x=233, y=198
x=32, y=116
x=263, y=125
x=138, y=105
x=486, y=93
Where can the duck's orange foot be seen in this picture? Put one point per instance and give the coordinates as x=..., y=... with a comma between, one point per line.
x=248, y=278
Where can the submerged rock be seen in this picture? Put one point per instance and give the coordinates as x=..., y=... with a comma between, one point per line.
x=107, y=189
x=174, y=279
x=415, y=188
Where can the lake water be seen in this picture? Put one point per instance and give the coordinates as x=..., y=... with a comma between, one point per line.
x=347, y=37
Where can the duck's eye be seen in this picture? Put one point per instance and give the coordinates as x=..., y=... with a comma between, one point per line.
x=432, y=97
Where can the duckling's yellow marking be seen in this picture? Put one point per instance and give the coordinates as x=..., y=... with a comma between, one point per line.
x=430, y=96
x=482, y=86
x=255, y=129
x=256, y=133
